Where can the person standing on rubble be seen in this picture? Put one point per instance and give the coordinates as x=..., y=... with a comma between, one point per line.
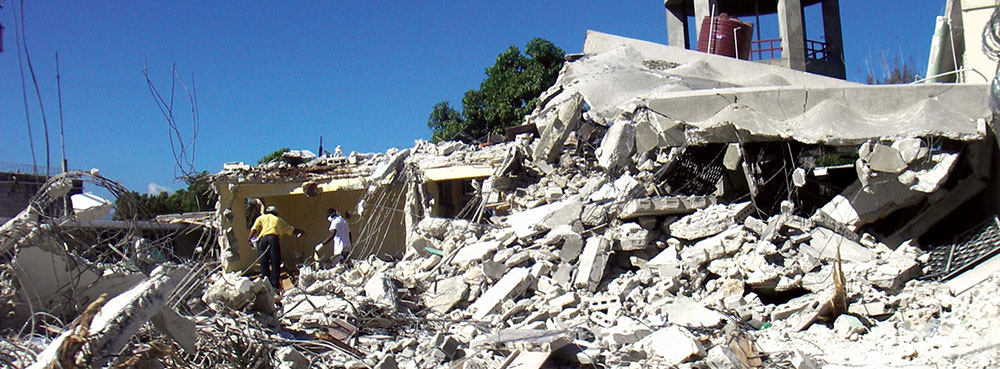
x=340, y=235
x=270, y=228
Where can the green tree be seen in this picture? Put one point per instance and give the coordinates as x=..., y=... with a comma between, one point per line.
x=197, y=197
x=273, y=156
x=509, y=92
x=894, y=72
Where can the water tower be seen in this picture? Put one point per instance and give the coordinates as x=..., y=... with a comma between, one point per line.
x=792, y=49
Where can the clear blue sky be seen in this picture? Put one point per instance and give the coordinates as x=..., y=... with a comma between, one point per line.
x=271, y=74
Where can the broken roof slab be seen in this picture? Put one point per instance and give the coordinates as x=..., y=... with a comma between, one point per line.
x=716, y=97
x=837, y=115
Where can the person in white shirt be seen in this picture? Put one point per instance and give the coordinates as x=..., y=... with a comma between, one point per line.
x=340, y=237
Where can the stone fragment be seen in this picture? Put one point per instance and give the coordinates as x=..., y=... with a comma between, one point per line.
x=722, y=244
x=594, y=215
x=664, y=205
x=800, y=360
x=475, y=252
x=892, y=273
x=673, y=345
x=288, y=357
x=592, y=262
x=180, y=329
x=709, y=221
x=564, y=121
x=692, y=314
x=847, y=325
x=381, y=290
x=911, y=149
x=536, y=220
x=731, y=160
x=527, y=359
x=872, y=309
x=799, y=177
x=647, y=137
x=616, y=147
x=632, y=237
x=624, y=188
x=721, y=357
x=824, y=243
x=447, y=344
x=494, y=270
x=512, y=285
x=625, y=331
x=443, y=295
x=885, y=159
x=387, y=362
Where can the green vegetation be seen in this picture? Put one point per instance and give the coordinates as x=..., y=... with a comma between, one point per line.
x=509, y=92
x=894, y=72
x=197, y=197
x=273, y=156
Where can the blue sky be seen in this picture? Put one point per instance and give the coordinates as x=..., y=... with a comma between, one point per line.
x=272, y=74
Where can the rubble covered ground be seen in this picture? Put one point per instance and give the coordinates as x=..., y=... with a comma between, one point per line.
x=669, y=212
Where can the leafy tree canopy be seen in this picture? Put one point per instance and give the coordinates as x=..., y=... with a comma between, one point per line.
x=893, y=72
x=509, y=92
x=273, y=156
x=197, y=197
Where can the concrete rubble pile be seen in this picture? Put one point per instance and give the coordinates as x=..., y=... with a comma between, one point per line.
x=669, y=213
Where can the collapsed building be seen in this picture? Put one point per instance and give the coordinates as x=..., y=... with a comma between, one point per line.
x=664, y=208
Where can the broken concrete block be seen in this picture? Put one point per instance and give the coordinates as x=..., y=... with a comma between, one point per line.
x=673, y=345
x=722, y=357
x=564, y=122
x=288, y=357
x=911, y=149
x=666, y=205
x=509, y=287
x=632, y=237
x=572, y=242
x=799, y=177
x=387, y=362
x=847, y=325
x=891, y=274
x=594, y=215
x=381, y=290
x=443, y=295
x=709, y=221
x=526, y=359
x=624, y=188
x=802, y=361
x=692, y=314
x=434, y=227
x=534, y=221
x=592, y=262
x=885, y=159
x=647, y=136
x=475, y=252
x=824, y=244
x=722, y=244
x=625, y=331
x=731, y=160
x=494, y=270
x=180, y=329
x=617, y=147
x=872, y=309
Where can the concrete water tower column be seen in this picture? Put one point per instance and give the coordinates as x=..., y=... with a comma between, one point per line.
x=790, y=26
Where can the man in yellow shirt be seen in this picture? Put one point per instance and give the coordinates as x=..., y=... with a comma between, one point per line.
x=270, y=228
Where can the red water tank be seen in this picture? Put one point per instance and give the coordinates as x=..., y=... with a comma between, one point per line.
x=725, y=36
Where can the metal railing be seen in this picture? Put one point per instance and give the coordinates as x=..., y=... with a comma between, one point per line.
x=771, y=49
x=8, y=167
x=816, y=50
x=765, y=49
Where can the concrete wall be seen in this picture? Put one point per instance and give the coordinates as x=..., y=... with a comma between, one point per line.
x=384, y=226
x=975, y=15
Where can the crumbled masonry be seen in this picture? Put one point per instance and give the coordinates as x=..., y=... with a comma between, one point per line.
x=670, y=213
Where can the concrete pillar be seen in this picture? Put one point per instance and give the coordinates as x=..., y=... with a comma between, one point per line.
x=793, y=44
x=834, y=36
x=702, y=9
x=677, y=28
